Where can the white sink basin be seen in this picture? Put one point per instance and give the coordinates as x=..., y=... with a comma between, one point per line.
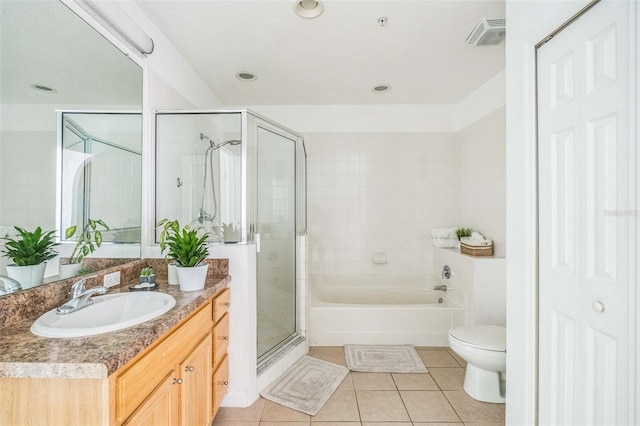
x=107, y=313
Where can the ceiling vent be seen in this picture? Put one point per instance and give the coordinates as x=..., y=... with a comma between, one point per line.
x=487, y=32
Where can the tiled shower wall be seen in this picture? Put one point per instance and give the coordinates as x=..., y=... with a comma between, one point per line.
x=379, y=193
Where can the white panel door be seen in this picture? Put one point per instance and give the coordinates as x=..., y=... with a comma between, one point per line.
x=585, y=186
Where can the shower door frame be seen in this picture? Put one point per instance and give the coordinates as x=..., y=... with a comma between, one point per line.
x=257, y=122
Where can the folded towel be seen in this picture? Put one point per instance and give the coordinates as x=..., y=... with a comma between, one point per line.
x=445, y=242
x=475, y=243
x=476, y=236
x=444, y=233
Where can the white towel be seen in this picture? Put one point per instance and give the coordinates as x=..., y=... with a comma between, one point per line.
x=445, y=242
x=475, y=243
x=444, y=233
x=476, y=236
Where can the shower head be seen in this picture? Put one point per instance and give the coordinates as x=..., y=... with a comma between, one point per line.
x=216, y=146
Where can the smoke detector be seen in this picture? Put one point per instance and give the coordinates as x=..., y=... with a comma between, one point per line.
x=487, y=32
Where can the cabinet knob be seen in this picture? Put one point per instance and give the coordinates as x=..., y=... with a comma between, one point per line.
x=224, y=383
x=224, y=337
x=226, y=304
x=177, y=381
x=189, y=368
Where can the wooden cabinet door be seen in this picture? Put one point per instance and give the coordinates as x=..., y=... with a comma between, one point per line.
x=161, y=408
x=220, y=340
x=220, y=383
x=196, y=385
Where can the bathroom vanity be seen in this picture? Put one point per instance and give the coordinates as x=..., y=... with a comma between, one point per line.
x=172, y=370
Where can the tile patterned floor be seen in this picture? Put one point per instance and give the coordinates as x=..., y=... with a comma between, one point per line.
x=376, y=399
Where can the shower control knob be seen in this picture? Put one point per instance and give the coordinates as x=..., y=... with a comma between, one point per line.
x=598, y=306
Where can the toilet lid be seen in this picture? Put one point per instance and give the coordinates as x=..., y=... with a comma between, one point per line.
x=490, y=337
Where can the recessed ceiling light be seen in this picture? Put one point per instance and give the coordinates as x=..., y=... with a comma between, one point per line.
x=246, y=76
x=309, y=9
x=43, y=88
x=381, y=88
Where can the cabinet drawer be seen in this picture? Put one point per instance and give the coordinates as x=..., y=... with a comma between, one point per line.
x=220, y=384
x=138, y=380
x=220, y=340
x=221, y=304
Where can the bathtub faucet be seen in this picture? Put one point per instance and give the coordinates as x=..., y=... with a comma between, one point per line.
x=440, y=287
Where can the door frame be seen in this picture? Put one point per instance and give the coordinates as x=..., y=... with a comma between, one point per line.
x=530, y=24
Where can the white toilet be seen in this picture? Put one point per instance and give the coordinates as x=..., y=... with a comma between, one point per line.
x=483, y=347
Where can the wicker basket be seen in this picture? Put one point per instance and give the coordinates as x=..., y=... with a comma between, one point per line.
x=476, y=250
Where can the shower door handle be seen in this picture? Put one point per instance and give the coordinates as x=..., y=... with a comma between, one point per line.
x=256, y=238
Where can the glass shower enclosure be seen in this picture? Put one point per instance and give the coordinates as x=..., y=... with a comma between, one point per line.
x=240, y=178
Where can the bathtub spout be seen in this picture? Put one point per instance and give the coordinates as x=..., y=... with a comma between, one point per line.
x=440, y=287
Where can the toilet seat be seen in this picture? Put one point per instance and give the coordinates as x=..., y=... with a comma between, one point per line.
x=486, y=337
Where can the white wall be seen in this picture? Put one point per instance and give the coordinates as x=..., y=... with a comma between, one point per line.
x=482, y=178
x=529, y=22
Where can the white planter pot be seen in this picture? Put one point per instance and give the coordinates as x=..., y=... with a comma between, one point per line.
x=69, y=270
x=192, y=279
x=28, y=276
x=172, y=274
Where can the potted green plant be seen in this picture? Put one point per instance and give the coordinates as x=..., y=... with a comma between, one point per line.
x=189, y=249
x=231, y=233
x=147, y=275
x=29, y=252
x=87, y=240
x=169, y=227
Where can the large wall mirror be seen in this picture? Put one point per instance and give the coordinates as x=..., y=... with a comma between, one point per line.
x=52, y=61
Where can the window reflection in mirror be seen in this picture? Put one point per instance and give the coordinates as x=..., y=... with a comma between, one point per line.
x=100, y=173
x=51, y=60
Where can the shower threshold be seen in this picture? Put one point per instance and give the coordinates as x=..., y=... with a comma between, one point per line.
x=278, y=352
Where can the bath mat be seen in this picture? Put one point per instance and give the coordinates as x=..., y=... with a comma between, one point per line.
x=383, y=359
x=307, y=385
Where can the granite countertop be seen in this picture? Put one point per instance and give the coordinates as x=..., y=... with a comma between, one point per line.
x=23, y=354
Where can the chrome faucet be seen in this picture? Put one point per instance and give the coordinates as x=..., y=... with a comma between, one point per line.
x=9, y=285
x=80, y=297
x=440, y=287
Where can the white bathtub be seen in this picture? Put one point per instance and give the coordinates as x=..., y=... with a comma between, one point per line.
x=373, y=309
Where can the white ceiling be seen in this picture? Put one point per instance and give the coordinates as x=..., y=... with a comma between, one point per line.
x=336, y=58
x=43, y=42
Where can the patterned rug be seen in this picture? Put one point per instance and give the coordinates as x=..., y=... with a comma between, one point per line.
x=383, y=359
x=307, y=385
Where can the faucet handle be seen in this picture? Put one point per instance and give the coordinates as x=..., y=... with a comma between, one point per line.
x=78, y=287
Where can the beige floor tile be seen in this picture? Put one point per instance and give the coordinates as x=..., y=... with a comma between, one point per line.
x=279, y=413
x=231, y=423
x=284, y=424
x=347, y=383
x=342, y=406
x=336, y=423
x=460, y=361
x=472, y=411
x=437, y=424
x=436, y=357
x=386, y=423
x=381, y=406
x=448, y=378
x=333, y=354
x=414, y=381
x=373, y=381
x=250, y=414
x=428, y=406
x=484, y=424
